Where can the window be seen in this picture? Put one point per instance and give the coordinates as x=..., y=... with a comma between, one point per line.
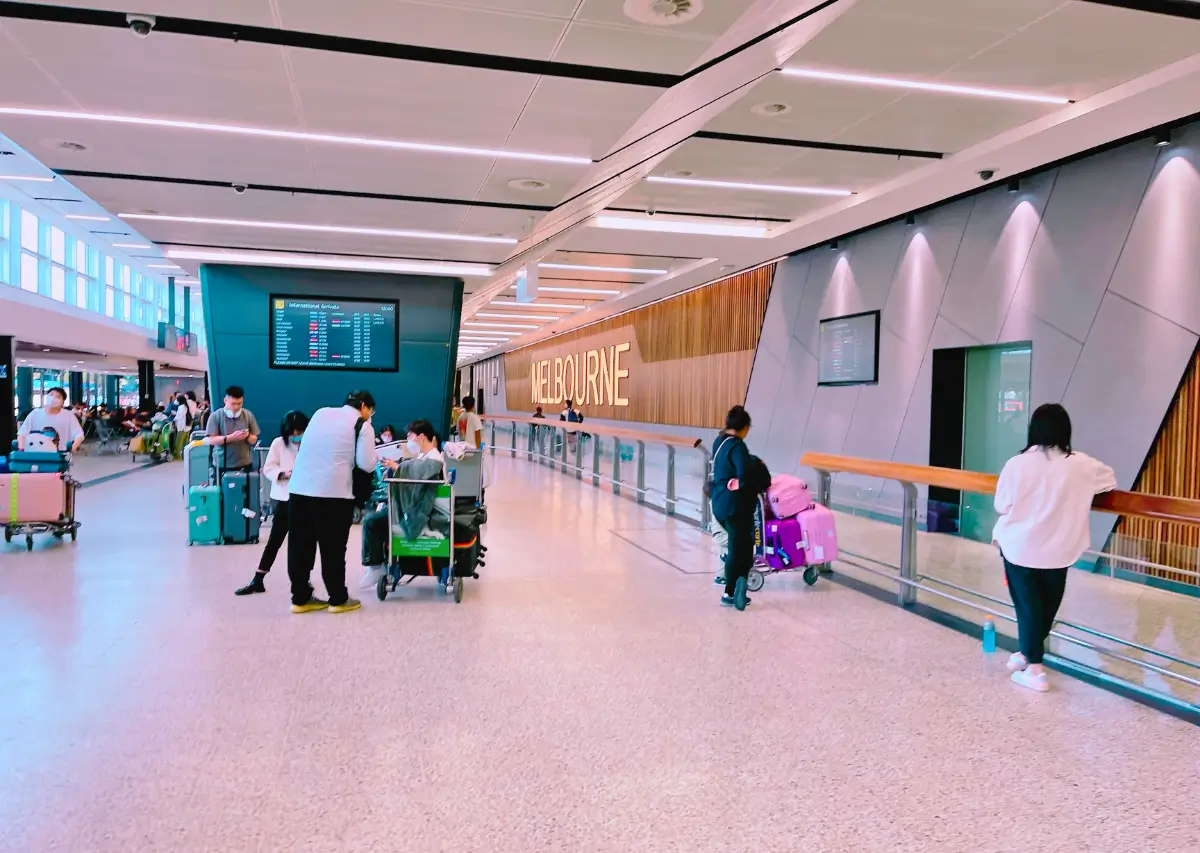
x=81, y=292
x=29, y=272
x=58, y=246
x=58, y=283
x=29, y=231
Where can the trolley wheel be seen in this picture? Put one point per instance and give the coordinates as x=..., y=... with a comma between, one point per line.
x=7, y=535
x=381, y=588
x=811, y=574
x=755, y=580
x=29, y=542
x=58, y=534
x=74, y=533
x=458, y=590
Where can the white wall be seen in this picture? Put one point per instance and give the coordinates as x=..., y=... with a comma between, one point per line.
x=1096, y=262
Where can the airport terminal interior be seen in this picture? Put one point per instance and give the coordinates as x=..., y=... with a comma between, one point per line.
x=702, y=357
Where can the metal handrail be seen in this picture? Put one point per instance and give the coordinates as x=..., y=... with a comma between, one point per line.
x=544, y=437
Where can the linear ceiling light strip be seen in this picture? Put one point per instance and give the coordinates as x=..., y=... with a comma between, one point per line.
x=921, y=86
x=325, y=229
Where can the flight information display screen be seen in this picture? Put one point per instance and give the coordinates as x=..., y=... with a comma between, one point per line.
x=849, y=350
x=322, y=333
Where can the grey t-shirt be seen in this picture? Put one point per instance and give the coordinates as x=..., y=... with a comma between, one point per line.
x=62, y=422
x=237, y=454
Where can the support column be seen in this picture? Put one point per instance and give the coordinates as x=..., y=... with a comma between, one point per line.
x=146, y=385
x=112, y=390
x=75, y=388
x=24, y=391
x=187, y=308
x=170, y=300
x=8, y=381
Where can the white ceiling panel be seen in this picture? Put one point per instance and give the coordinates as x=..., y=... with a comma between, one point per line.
x=717, y=17
x=439, y=24
x=927, y=122
x=578, y=117
x=253, y=12
x=644, y=49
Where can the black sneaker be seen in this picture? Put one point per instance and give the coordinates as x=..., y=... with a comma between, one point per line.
x=739, y=594
x=254, y=586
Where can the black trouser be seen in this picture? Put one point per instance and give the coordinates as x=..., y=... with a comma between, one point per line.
x=1036, y=596
x=319, y=523
x=739, y=554
x=375, y=537
x=279, y=532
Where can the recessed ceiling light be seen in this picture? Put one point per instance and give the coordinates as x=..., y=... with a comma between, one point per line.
x=549, y=306
x=324, y=229
x=739, y=185
x=163, y=267
x=771, y=109
x=300, y=136
x=921, y=86
x=588, y=268
x=86, y=218
x=498, y=325
x=497, y=316
x=677, y=226
x=589, y=290
x=132, y=246
x=36, y=179
x=528, y=185
x=328, y=262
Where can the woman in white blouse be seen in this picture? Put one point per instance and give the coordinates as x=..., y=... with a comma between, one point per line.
x=281, y=458
x=1044, y=497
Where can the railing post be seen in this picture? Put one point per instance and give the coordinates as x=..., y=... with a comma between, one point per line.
x=616, y=466
x=492, y=443
x=532, y=436
x=562, y=452
x=541, y=444
x=596, y=461
x=824, y=488
x=670, y=479
x=705, y=506
x=579, y=456
x=907, y=594
x=641, y=472
x=512, y=442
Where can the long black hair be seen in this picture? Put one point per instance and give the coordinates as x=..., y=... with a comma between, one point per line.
x=293, y=422
x=737, y=419
x=1050, y=427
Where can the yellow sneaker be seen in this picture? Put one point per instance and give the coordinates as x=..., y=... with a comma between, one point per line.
x=309, y=606
x=345, y=607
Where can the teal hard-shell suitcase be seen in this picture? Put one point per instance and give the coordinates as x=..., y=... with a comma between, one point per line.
x=204, y=515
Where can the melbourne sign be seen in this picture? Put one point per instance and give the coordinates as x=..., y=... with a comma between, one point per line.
x=592, y=377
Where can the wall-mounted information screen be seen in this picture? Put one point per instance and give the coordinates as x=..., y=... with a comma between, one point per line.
x=318, y=333
x=849, y=350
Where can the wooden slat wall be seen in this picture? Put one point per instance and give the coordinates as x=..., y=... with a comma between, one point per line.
x=1173, y=469
x=696, y=353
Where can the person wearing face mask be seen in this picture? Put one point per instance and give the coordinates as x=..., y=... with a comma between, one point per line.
x=322, y=499
x=53, y=416
x=234, y=429
x=281, y=459
x=387, y=435
x=422, y=443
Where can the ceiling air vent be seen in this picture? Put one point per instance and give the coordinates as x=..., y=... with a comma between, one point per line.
x=529, y=185
x=663, y=13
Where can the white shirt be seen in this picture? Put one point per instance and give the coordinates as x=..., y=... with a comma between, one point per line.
x=327, y=454
x=473, y=424
x=281, y=459
x=1044, y=498
x=181, y=418
x=62, y=422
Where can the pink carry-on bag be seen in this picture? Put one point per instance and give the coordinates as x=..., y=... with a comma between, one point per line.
x=30, y=497
x=803, y=543
x=788, y=496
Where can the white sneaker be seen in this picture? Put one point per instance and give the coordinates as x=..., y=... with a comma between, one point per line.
x=1025, y=678
x=1016, y=662
x=371, y=577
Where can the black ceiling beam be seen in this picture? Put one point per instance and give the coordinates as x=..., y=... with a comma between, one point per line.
x=413, y=199
x=820, y=146
x=339, y=44
x=1174, y=8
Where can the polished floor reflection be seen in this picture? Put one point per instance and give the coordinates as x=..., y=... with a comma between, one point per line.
x=587, y=695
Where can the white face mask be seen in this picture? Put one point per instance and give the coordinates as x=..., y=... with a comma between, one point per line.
x=414, y=449
x=230, y=413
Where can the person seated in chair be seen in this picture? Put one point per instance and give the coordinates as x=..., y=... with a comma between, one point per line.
x=422, y=443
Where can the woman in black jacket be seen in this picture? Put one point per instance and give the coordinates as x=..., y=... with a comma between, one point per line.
x=738, y=479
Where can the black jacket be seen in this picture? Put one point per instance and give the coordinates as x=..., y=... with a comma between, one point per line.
x=730, y=461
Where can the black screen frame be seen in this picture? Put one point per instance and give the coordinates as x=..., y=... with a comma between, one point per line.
x=878, y=315
x=271, y=365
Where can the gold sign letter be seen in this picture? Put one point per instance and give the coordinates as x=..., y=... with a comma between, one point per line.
x=619, y=373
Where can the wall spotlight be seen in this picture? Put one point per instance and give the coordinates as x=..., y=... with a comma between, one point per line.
x=910, y=221
x=1162, y=138
x=1014, y=186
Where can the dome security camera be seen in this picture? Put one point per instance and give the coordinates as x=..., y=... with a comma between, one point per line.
x=240, y=189
x=986, y=174
x=142, y=25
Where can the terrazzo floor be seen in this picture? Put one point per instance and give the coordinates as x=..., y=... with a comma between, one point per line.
x=587, y=695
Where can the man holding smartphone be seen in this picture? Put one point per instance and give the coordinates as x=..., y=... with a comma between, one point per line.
x=233, y=429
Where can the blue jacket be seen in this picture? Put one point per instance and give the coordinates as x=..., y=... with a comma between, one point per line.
x=730, y=461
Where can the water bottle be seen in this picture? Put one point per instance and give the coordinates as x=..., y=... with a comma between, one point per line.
x=989, y=635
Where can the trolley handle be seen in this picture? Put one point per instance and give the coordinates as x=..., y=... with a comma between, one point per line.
x=418, y=482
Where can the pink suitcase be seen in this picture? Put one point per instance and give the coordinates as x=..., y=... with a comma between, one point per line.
x=809, y=539
x=31, y=497
x=788, y=496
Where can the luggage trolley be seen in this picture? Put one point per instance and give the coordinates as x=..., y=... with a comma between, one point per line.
x=43, y=486
x=452, y=559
